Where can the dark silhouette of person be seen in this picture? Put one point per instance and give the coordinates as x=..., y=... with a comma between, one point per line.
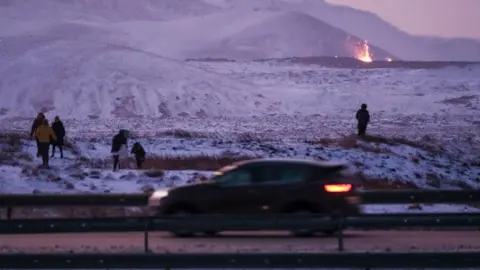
x=59, y=130
x=139, y=152
x=36, y=123
x=119, y=147
x=44, y=134
x=363, y=118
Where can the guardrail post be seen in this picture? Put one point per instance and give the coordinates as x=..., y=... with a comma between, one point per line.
x=9, y=212
x=146, y=235
x=340, y=232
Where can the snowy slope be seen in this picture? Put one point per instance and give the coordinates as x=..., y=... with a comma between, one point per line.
x=86, y=167
x=80, y=79
x=390, y=93
x=179, y=38
x=85, y=79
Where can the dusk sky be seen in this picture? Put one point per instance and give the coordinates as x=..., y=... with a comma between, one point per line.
x=447, y=18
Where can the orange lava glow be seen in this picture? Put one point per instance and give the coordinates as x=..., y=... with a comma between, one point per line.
x=363, y=54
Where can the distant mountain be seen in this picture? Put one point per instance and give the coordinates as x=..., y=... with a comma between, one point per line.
x=369, y=26
x=103, y=10
x=286, y=34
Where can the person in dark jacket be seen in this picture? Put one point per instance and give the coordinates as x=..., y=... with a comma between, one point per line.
x=36, y=123
x=139, y=153
x=119, y=148
x=59, y=130
x=363, y=118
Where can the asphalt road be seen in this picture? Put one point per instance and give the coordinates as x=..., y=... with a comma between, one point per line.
x=244, y=242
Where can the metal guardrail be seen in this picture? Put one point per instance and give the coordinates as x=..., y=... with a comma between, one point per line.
x=237, y=223
x=202, y=223
x=420, y=196
x=39, y=200
x=452, y=260
x=368, y=197
x=245, y=223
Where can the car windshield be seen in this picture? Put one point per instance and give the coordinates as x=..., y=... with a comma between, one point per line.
x=222, y=171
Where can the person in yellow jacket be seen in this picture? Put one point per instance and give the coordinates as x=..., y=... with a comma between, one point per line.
x=44, y=134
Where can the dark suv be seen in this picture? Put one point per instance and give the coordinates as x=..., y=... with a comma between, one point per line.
x=266, y=186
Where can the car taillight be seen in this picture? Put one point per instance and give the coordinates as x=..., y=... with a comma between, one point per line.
x=338, y=188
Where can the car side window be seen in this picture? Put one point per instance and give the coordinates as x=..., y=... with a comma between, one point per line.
x=282, y=173
x=238, y=177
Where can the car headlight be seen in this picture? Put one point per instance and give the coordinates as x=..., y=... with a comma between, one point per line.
x=160, y=194
x=156, y=196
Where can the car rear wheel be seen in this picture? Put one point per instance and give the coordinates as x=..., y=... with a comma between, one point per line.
x=181, y=213
x=302, y=232
x=331, y=231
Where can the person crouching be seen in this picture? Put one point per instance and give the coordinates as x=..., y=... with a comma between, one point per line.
x=44, y=134
x=139, y=152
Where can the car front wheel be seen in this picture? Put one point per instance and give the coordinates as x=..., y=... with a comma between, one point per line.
x=181, y=213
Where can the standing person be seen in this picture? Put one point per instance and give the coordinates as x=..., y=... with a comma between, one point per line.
x=59, y=130
x=36, y=123
x=363, y=118
x=44, y=134
x=139, y=153
x=119, y=148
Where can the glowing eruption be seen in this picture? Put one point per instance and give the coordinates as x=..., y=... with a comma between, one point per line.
x=363, y=54
x=388, y=59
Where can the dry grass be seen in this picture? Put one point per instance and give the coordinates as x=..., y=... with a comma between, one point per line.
x=374, y=149
x=463, y=100
x=344, y=142
x=426, y=144
x=11, y=148
x=13, y=140
x=181, y=133
x=245, y=137
x=200, y=163
x=203, y=163
x=350, y=141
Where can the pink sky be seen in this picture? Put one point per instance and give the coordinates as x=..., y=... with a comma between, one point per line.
x=446, y=18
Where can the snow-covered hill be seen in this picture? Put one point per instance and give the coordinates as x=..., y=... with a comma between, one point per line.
x=80, y=79
x=113, y=58
x=285, y=34
x=168, y=27
x=22, y=15
x=371, y=27
x=240, y=35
